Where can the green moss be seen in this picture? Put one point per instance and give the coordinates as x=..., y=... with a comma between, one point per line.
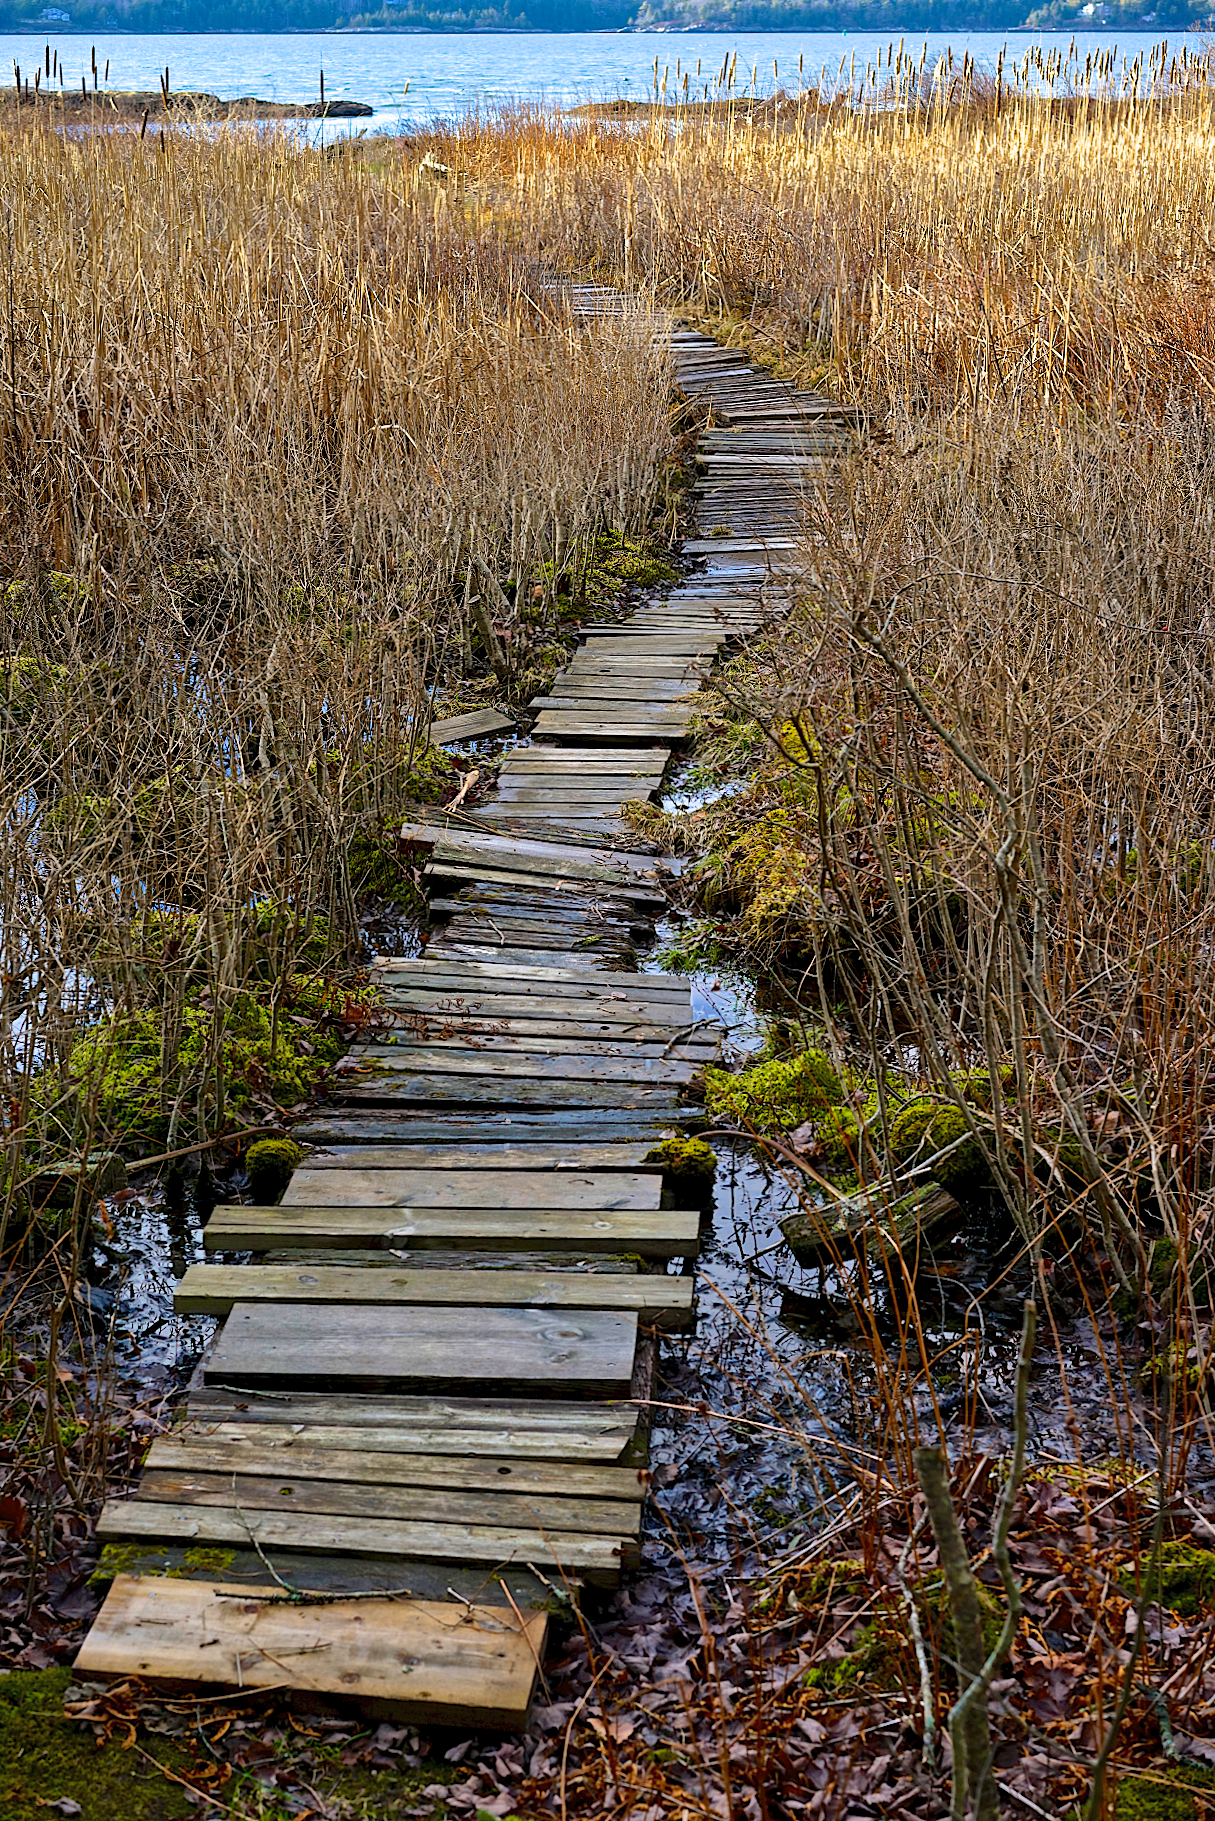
x=44, y=1757
x=684, y=1158
x=839, y=1133
x=209, y=1561
x=975, y=1086
x=233, y=1064
x=775, y=1096
x=375, y=865
x=1164, y=1795
x=1183, y=1579
x=620, y=561
x=270, y=1164
x=1162, y=1261
x=925, y=1127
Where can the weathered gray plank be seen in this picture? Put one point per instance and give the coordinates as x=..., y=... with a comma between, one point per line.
x=658, y=1233
x=630, y=1157
x=480, y=724
x=245, y=1492
x=366, y=1347
x=596, y=1558
x=253, y=1450
x=656, y=1299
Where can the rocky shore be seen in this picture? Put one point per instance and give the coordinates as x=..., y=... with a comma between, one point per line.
x=133, y=104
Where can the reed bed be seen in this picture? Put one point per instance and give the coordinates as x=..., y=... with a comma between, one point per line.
x=918, y=239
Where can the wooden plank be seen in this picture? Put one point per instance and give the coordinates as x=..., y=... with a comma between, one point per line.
x=231, y=1486
x=509, y=1063
x=522, y=1429
x=229, y=1448
x=456, y=1188
x=589, y=862
x=368, y=1347
x=436, y=1014
x=573, y=724
x=341, y=1574
x=416, y=971
x=572, y=1553
x=430, y=1661
x=472, y=873
x=557, y=1036
x=657, y=1299
x=409, y=1126
x=658, y=1233
x=465, y=1264
x=528, y=1154
x=480, y=724
x=464, y=947
x=455, y=1091
x=627, y=757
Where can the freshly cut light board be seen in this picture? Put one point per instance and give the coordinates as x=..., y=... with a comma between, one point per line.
x=658, y=1233
x=360, y=1347
x=432, y=1661
x=657, y=1300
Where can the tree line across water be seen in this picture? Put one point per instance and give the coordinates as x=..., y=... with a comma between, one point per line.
x=585, y=15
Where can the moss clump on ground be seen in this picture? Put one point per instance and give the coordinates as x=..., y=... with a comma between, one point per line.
x=775, y=1096
x=376, y=865
x=1162, y=1795
x=685, y=1159
x=923, y=1128
x=620, y=561
x=269, y=1165
x=689, y=1169
x=46, y=1758
x=244, y=1062
x=1182, y=1579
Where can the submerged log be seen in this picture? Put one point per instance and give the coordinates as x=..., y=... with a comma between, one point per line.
x=878, y=1215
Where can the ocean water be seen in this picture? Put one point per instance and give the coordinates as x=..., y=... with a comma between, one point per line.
x=411, y=78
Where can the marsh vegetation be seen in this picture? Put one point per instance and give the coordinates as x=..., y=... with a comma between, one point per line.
x=295, y=447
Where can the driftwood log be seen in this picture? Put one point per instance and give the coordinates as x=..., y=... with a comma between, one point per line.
x=880, y=1215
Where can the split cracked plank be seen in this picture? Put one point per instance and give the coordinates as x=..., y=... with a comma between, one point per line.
x=456, y=1091
x=656, y=1233
x=656, y=1299
x=557, y=1036
x=429, y=1660
x=410, y=1126
x=525, y=1430
x=414, y=971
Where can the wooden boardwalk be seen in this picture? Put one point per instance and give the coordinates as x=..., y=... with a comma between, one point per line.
x=429, y=1389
